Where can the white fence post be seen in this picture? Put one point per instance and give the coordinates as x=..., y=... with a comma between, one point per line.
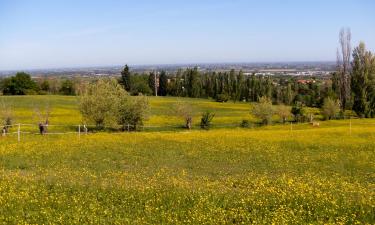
x=85, y=129
x=19, y=132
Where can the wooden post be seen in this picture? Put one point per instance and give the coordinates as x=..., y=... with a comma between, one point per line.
x=19, y=132
x=350, y=126
x=79, y=131
x=155, y=85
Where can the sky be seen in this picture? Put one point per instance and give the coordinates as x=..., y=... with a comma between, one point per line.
x=41, y=34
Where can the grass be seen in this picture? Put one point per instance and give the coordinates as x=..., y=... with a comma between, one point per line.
x=265, y=175
x=64, y=109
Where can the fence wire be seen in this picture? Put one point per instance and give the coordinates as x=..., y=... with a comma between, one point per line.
x=28, y=129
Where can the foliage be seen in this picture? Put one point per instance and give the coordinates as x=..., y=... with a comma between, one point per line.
x=140, y=85
x=153, y=83
x=221, y=86
x=222, y=98
x=206, y=120
x=263, y=110
x=193, y=85
x=363, y=81
x=163, y=84
x=45, y=86
x=298, y=111
x=245, y=124
x=133, y=112
x=330, y=108
x=6, y=116
x=67, y=87
x=20, y=84
x=284, y=112
x=101, y=101
x=185, y=110
x=125, y=79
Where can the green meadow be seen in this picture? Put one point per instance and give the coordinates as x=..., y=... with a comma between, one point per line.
x=276, y=174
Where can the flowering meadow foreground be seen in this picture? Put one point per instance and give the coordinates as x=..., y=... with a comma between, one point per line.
x=311, y=175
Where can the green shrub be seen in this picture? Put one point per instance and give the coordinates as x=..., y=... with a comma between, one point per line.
x=264, y=110
x=206, y=120
x=245, y=124
x=222, y=98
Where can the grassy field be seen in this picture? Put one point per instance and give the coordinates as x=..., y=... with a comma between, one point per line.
x=64, y=109
x=162, y=116
x=261, y=176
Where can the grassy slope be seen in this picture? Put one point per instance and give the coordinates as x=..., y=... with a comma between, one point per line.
x=222, y=176
x=65, y=110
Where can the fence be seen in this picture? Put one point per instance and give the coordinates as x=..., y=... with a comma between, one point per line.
x=34, y=129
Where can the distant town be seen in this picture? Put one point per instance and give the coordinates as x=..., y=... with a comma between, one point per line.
x=314, y=69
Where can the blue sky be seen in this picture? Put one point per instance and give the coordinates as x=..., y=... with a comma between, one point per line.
x=74, y=33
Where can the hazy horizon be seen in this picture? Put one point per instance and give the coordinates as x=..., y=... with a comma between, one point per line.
x=69, y=34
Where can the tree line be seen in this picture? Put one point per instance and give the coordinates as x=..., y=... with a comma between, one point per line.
x=22, y=84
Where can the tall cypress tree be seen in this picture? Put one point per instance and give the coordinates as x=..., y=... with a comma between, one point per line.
x=239, y=86
x=126, y=78
x=194, y=86
x=163, y=84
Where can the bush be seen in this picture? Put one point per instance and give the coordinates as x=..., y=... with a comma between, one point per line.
x=100, y=102
x=263, y=110
x=245, y=124
x=132, y=112
x=330, y=108
x=106, y=103
x=206, y=120
x=222, y=98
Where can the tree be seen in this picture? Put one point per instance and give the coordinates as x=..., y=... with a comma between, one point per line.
x=163, y=83
x=44, y=86
x=298, y=111
x=140, y=85
x=284, y=112
x=185, y=110
x=343, y=67
x=263, y=110
x=206, y=120
x=106, y=103
x=6, y=117
x=289, y=94
x=132, y=112
x=194, y=86
x=125, y=80
x=330, y=108
x=363, y=69
x=100, y=102
x=20, y=84
x=42, y=115
x=67, y=87
x=153, y=83
x=239, y=86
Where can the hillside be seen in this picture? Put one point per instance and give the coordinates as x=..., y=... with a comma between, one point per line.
x=273, y=174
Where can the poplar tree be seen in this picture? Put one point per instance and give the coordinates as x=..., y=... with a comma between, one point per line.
x=126, y=78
